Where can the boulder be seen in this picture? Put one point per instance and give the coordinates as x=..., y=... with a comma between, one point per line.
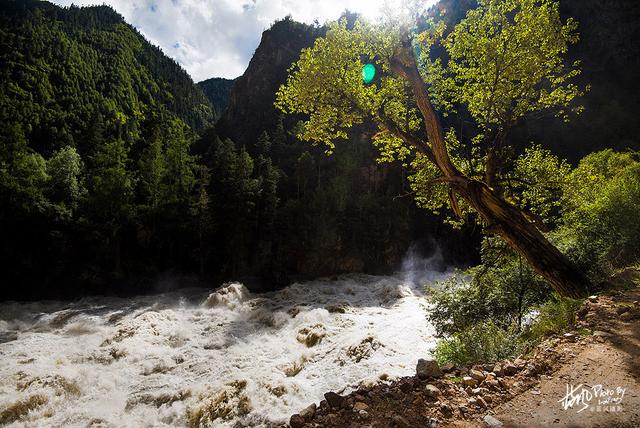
x=334, y=400
x=448, y=368
x=509, y=369
x=296, y=421
x=428, y=368
x=497, y=369
x=309, y=412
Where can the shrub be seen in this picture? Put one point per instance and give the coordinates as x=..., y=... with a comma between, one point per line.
x=555, y=316
x=601, y=204
x=503, y=289
x=480, y=343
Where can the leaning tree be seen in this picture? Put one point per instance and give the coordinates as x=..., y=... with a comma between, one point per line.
x=501, y=63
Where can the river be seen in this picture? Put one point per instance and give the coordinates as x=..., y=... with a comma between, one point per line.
x=219, y=358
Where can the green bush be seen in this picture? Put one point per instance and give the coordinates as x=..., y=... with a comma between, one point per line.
x=596, y=206
x=555, y=316
x=600, y=228
x=483, y=342
x=503, y=289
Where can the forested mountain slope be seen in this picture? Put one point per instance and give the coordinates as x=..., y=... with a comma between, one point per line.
x=217, y=90
x=96, y=126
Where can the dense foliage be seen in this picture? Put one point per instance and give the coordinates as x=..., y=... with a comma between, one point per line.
x=95, y=142
x=218, y=91
x=592, y=207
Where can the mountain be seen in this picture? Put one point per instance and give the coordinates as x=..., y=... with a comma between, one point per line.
x=250, y=110
x=217, y=91
x=64, y=67
x=339, y=213
x=97, y=179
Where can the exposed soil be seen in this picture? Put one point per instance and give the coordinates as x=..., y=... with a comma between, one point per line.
x=528, y=392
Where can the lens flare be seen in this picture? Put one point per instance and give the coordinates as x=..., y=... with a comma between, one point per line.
x=368, y=73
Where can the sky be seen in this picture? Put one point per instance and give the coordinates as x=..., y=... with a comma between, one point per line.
x=217, y=38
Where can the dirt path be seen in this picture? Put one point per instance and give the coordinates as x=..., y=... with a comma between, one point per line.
x=610, y=358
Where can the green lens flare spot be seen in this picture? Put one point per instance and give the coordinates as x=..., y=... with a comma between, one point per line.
x=368, y=73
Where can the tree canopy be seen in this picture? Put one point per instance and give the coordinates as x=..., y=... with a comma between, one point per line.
x=503, y=61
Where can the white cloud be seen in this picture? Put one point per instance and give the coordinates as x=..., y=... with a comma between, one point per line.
x=218, y=37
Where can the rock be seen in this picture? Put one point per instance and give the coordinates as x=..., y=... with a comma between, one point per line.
x=432, y=391
x=463, y=409
x=469, y=381
x=427, y=368
x=363, y=414
x=448, y=367
x=492, y=422
x=336, y=308
x=627, y=316
x=309, y=412
x=400, y=421
x=622, y=309
x=532, y=370
x=497, y=369
x=472, y=401
x=446, y=410
x=569, y=336
x=293, y=312
x=477, y=375
x=482, y=403
x=8, y=336
x=599, y=333
x=334, y=400
x=312, y=335
x=476, y=391
x=360, y=406
x=296, y=421
x=492, y=383
x=593, y=299
x=519, y=362
x=509, y=369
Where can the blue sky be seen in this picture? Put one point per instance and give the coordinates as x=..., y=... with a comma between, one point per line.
x=216, y=38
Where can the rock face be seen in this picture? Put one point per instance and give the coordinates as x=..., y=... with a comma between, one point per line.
x=427, y=369
x=250, y=105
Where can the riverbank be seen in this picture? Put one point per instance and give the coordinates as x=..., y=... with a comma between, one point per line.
x=599, y=362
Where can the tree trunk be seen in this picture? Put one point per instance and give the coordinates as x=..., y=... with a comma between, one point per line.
x=510, y=223
x=502, y=218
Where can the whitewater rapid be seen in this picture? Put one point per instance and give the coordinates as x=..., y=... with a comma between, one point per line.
x=223, y=358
